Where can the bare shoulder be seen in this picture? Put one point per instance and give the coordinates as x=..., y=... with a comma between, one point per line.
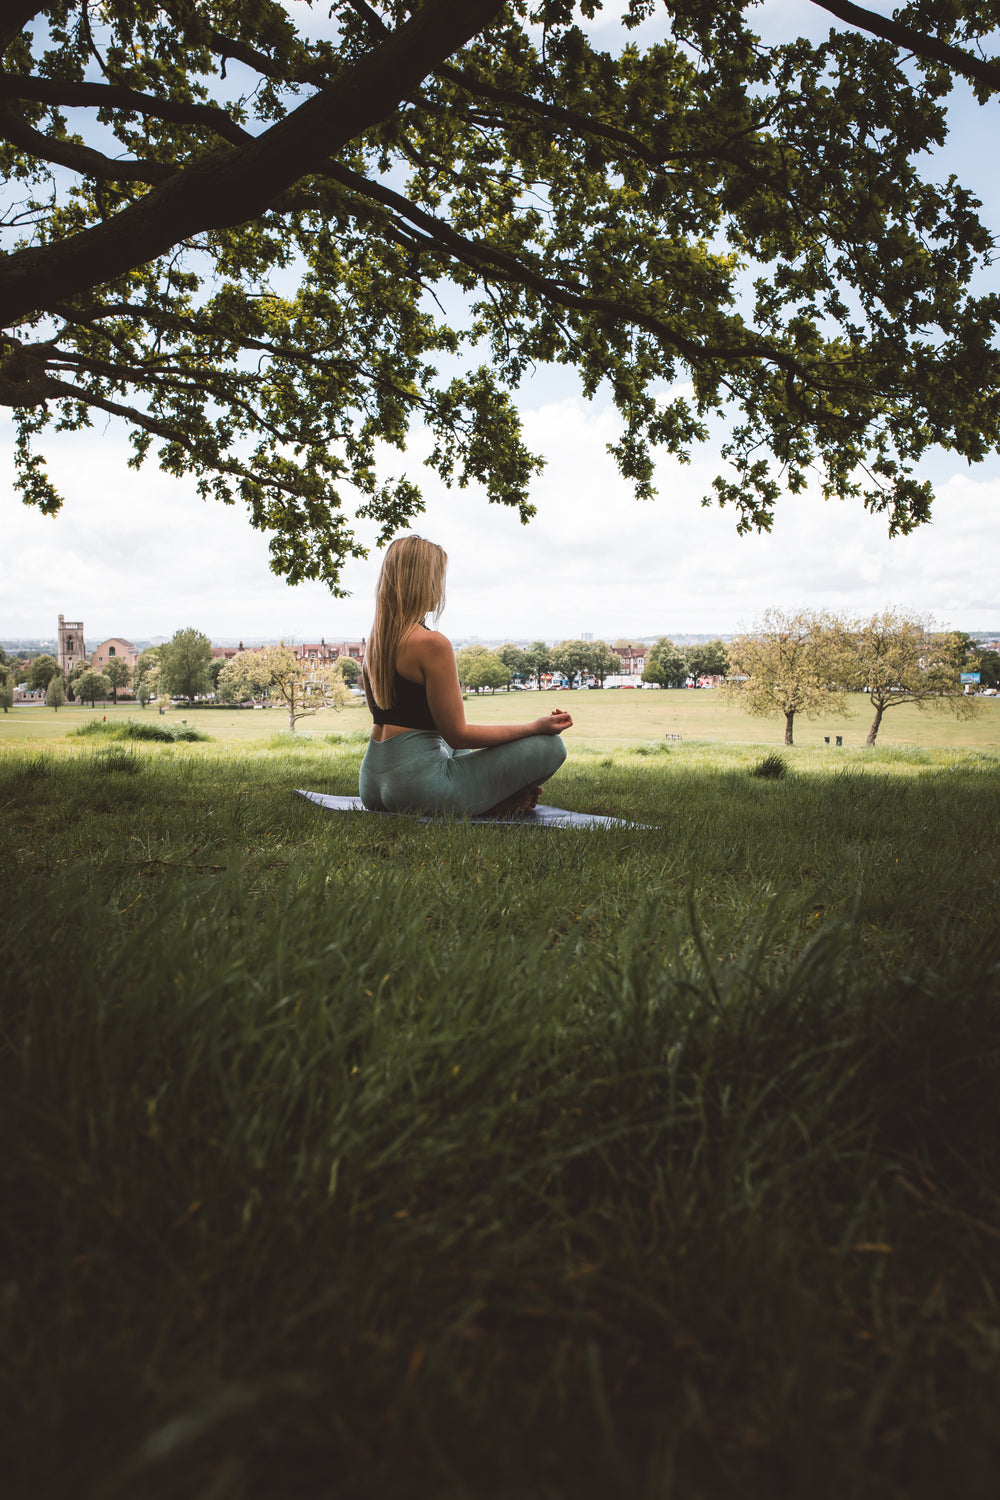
x=431, y=645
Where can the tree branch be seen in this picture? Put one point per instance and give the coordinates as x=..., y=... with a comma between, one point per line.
x=980, y=70
x=231, y=187
x=72, y=94
x=15, y=129
x=14, y=18
x=442, y=236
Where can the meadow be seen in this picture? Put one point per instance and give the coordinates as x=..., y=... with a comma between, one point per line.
x=354, y=1156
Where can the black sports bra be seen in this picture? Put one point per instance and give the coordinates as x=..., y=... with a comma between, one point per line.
x=409, y=709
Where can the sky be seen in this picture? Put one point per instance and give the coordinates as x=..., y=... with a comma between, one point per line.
x=140, y=555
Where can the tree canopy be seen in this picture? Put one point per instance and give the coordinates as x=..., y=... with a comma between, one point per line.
x=478, y=667
x=899, y=658
x=666, y=664
x=184, y=663
x=270, y=242
x=301, y=686
x=792, y=663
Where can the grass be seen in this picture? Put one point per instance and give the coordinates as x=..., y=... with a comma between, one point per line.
x=612, y=720
x=362, y=1157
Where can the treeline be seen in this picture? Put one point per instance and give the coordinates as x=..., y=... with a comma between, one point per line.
x=479, y=667
x=810, y=662
x=183, y=667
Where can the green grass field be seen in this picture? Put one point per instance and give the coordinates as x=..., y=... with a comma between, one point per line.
x=348, y=1155
x=610, y=718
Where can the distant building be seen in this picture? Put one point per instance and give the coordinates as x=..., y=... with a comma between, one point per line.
x=72, y=647
x=115, y=645
x=632, y=655
x=328, y=651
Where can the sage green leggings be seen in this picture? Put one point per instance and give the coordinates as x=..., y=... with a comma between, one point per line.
x=419, y=772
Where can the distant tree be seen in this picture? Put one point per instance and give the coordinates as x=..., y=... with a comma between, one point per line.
x=540, y=656
x=898, y=658
x=184, y=663
x=665, y=664
x=43, y=669
x=91, y=685
x=602, y=661
x=479, y=668
x=349, y=669
x=572, y=659
x=55, y=693
x=215, y=667
x=711, y=659
x=74, y=678
x=790, y=664
x=6, y=688
x=118, y=674
x=517, y=659
x=987, y=664
x=146, y=674
x=277, y=673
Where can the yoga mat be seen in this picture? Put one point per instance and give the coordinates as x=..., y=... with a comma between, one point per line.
x=542, y=817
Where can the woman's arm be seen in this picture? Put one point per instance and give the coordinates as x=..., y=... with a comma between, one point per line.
x=436, y=659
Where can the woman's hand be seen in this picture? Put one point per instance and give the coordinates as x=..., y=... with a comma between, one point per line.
x=554, y=723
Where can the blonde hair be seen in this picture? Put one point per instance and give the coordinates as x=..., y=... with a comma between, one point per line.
x=410, y=585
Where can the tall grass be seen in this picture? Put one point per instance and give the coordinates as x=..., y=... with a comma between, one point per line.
x=349, y=1155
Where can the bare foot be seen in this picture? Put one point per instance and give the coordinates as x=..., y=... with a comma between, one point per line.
x=517, y=804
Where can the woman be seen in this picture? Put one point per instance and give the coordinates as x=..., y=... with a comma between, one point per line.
x=422, y=755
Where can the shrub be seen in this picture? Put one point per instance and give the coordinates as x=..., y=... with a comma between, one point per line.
x=771, y=768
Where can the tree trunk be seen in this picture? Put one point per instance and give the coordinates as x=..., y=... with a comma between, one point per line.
x=873, y=731
x=789, y=718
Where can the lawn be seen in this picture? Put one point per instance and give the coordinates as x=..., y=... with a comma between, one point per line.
x=615, y=717
x=351, y=1156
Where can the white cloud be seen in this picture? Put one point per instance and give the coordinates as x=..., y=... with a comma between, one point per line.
x=141, y=555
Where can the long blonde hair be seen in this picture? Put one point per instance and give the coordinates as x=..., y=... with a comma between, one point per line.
x=410, y=585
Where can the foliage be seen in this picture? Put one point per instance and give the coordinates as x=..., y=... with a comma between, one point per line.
x=116, y=670
x=480, y=668
x=348, y=668
x=898, y=658
x=546, y=1165
x=572, y=659
x=146, y=674
x=55, y=693
x=519, y=661
x=709, y=659
x=74, y=677
x=43, y=669
x=602, y=661
x=277, y=673
x=183, y=665
x=237, y=227
x=665, y=664
x=6, y=688
x=90, y=686
x=790, y=663
x=540, y=657
x=987, y=664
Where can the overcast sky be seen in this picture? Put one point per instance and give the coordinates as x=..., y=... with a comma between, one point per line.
x=139, y=555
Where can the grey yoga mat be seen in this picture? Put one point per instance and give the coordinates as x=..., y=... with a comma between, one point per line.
x=542, y=817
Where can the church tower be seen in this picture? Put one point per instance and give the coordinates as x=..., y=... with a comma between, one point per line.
x=72, y=648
